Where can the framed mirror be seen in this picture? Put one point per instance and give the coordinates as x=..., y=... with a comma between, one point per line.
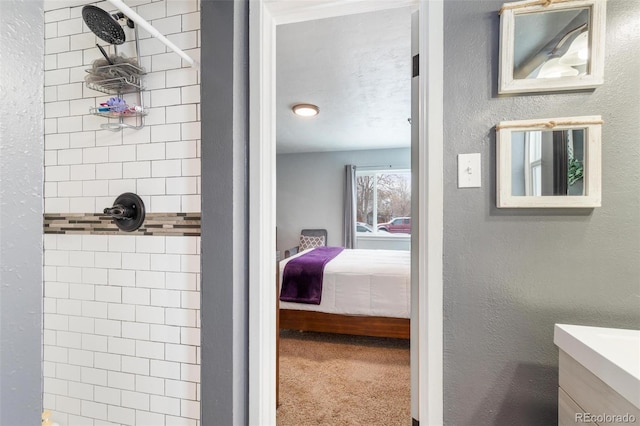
x=549, y=163
x=551, y=46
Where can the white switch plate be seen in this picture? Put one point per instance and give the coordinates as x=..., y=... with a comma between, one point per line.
x=469, y=175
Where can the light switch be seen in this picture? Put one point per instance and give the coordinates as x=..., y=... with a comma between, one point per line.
x=469, y=170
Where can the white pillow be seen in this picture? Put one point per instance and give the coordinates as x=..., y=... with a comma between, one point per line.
x=309, y=242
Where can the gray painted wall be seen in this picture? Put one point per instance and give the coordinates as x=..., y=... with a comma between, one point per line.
x=310, y=190
x=21, y=170
x=510, y=275
x=225, y=53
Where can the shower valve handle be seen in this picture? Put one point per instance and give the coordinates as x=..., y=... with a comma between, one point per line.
x=128, y=212
x=119, y=211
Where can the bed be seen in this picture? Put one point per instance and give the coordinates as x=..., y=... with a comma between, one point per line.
x=364, y=292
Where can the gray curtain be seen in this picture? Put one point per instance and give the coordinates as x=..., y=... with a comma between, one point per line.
x=349, y=222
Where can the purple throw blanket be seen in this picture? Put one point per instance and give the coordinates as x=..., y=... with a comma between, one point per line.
x=302, y=276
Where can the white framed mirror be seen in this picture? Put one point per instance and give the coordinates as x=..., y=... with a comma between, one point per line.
x=551, y=46
x=546, y=163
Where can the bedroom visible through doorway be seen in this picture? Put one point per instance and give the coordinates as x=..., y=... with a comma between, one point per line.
x=427, y=187
x=357, y=70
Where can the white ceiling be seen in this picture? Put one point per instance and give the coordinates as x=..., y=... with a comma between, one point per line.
x=357, y=70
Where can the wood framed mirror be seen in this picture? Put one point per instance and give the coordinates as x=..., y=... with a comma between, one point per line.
x=551, y=46
x=549, y=163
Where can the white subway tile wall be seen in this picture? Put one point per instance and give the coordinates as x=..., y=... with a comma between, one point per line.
x=122, y=313
x=77, y=149
x=121, y=345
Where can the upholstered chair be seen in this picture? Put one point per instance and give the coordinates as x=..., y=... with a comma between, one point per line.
x=309, y=238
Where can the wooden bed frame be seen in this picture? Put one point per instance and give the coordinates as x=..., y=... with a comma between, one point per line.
x=359, y=325
x=344, y=324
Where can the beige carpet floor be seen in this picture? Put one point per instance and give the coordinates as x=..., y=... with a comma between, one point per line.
x=328, y=379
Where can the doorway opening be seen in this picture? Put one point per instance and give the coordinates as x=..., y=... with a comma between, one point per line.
x=427, y=303
x=351, y=160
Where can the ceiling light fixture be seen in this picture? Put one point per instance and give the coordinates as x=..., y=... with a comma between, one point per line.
x=306, y=110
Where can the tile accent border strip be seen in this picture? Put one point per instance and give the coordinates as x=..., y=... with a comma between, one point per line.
x=180, y=224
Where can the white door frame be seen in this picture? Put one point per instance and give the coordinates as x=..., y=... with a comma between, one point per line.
x=264, y=16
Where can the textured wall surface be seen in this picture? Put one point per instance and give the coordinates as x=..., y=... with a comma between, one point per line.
x=225, y=293
x=122, y=312
x=510, y=275
x=21, y=158
x=310, y=189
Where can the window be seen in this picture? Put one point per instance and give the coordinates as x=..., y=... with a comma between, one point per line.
x=533, y=159
x=384, y=201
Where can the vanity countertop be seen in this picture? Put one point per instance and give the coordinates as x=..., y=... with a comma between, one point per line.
x=612, y=354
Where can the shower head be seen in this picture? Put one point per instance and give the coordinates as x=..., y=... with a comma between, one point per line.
x=103, y=24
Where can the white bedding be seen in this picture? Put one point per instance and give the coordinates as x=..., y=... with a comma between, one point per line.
x=363, y=282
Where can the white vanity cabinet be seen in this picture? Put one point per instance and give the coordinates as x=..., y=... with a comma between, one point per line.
x=599, y=375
